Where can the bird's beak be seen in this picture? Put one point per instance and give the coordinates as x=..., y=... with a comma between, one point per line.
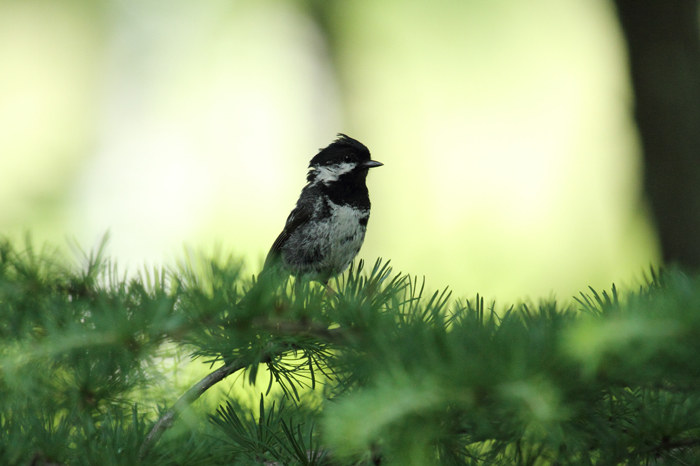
x=372, y=164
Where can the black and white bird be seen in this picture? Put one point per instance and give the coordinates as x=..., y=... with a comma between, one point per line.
x=325, y=231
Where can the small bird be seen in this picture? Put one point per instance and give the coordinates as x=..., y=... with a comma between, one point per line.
x=325, y=231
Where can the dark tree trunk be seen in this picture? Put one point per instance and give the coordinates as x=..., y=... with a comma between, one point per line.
x=663, y=41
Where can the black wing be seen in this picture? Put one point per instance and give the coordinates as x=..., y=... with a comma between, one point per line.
x=300, y=215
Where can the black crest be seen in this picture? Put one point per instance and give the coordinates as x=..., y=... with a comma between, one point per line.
x=336, y=151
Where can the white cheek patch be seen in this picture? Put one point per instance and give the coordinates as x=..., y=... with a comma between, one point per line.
x=331, y=173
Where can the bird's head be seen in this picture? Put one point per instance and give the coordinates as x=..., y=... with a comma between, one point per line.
x=344, y=157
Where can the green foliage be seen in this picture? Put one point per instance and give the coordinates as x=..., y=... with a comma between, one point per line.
x=271, y=438
x=374, y=370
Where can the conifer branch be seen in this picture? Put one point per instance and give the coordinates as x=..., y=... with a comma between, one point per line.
x=621, y=382
x=667, y=445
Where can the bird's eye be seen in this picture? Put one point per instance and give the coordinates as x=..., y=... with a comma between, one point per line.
x=347, y=158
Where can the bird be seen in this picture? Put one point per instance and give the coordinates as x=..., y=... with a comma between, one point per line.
x=326, y=229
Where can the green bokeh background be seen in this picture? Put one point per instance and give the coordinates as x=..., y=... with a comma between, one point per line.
x=511, y=158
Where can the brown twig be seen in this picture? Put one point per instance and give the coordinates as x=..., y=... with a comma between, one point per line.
x=167, y=419
x=309, y=329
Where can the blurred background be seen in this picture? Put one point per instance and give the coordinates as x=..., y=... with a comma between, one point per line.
x=512, y=161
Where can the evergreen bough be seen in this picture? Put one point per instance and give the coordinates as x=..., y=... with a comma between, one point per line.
x=373, y=372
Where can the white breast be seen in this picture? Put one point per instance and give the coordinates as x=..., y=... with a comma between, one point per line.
x=346, y=234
